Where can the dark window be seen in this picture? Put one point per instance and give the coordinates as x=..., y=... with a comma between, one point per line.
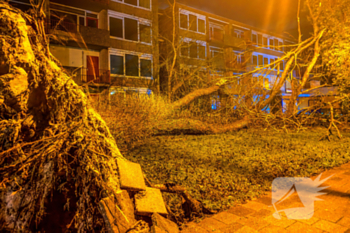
x=91, y=22
x=271, y=44
x=117, y=64
x=184, y=49
x=193, y=50
x=275, y=41
x=281, y=65
x=201, y=51
x=280, y=44
x=201, y=25
x=145, y=33
x=265, y=41
x=132, y=2
x=116, y=27
x=260, y=39
x=131, y=65
x=94, y=16
x=255, y=60
x=266, y=61
x=131, y=32
x=193, y=22
x=183, y=21
x=145, y=3
x=146, y=68
x=260, y=57
x=254, y=38
x=82, y=21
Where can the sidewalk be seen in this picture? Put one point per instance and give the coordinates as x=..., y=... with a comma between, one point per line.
x=330, y=215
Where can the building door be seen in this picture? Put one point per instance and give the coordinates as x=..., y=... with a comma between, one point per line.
x=92, y=71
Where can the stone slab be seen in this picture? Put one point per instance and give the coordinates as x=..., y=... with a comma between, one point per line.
x=164, y=224
x=150, y=201
x=131, y=176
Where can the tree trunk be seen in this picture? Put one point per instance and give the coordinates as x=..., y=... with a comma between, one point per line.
x=50, y=137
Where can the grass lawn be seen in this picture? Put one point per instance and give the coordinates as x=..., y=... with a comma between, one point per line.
x=221, y=170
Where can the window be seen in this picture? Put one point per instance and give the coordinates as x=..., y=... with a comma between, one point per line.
x=184, y=49
x=201, y=51
x=201, y=25
x=116, y=27
x=145, y=3
x=130, y=26
x=271, y=43
x=280, y=44
x=265, y=42
x=193, y=50
x=131, y=65
x=130, y=29
x=146, y=68
x=132, y=2
x=117, y=64
x=183, y=21
x=82, y=21
x=139, y=3
x=254, y=38
x=266, y=61
x=281, y=65
x=193, y=22
x=145, y=33
x=255, y=60
x=275, y=41
x=260, y=39
x=216, y=33
x=260, y=58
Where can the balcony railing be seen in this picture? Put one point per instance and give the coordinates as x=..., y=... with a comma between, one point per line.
x=62, y=25
x=96, y=76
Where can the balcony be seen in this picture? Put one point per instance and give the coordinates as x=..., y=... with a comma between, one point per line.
x=70, y=30
x=96, y=76
x=231, y=41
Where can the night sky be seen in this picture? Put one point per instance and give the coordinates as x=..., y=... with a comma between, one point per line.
x=272, y=15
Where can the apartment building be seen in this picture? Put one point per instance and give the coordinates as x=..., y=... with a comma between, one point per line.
x=106, y=44
x=218, y=46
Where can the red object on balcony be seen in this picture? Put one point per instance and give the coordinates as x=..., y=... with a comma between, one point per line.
x=97, y=76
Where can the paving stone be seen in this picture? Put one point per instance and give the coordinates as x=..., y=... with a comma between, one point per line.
x=155, y=229
x=194, y=229
x=302, y=227
x=211, y=224
x=329, y=215
x=149, y=202
x=273, y=229
x=329, y=226
x=345, y=221
x=234, y=227
x=263, y=213
x=265, y=200
x=255, y=205
x=253, y=222
x=226, y=217
x=309, y=221
x=241, y=211
x=283, y=222
x=131, y=176
x=246, y=229
x=164, y=224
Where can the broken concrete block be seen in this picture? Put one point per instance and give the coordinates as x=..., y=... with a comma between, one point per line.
x=131, y=176
x=164, y=224
x=115, y=219
x=155, y=229
x=126, y=205
x=149, y=202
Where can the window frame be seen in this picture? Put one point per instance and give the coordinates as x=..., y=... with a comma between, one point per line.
x=199, y=17
x=138, y=4
x=123, y=54
x=188, y=42
x=140, y=21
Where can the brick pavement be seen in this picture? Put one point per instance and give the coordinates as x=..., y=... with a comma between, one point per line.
x=330, y=215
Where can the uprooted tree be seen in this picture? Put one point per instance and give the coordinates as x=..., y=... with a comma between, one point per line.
x=50, y=137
